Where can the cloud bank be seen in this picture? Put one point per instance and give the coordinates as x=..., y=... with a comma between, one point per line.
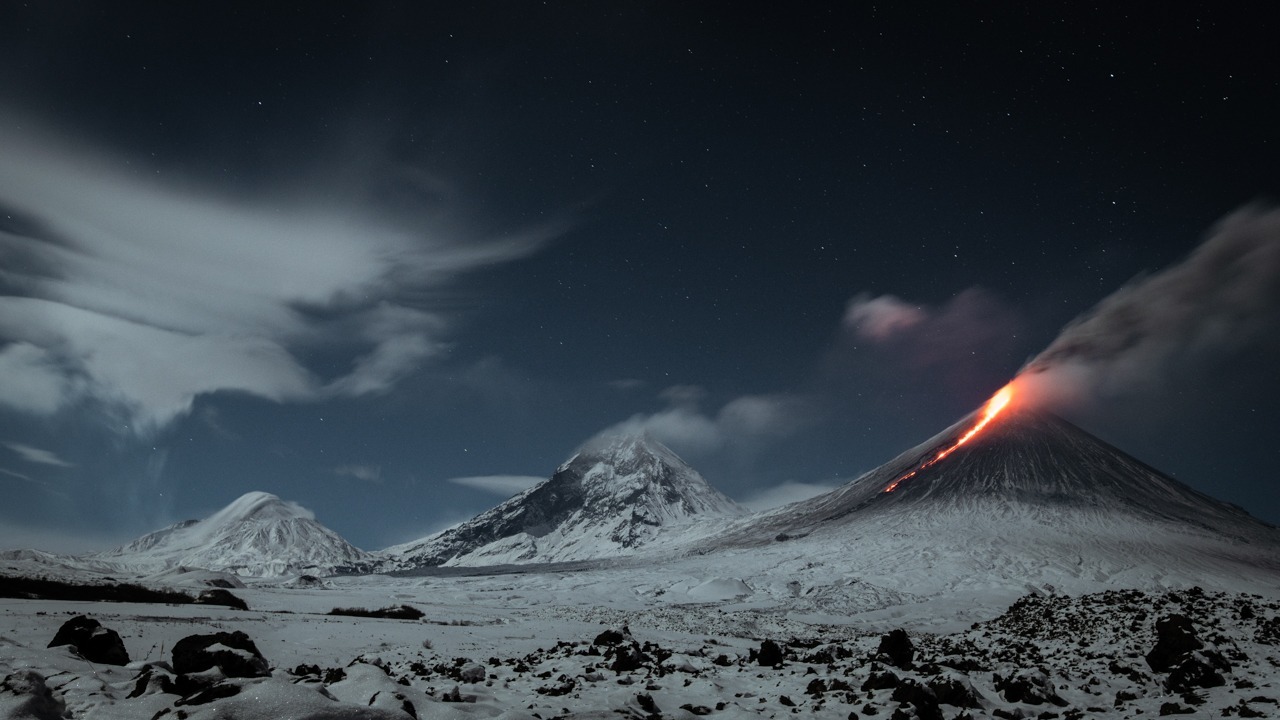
x=1224, y=297
x=745, y=421
x=503, y=485
x=785, y=494
x=366, y=473
x=927, y=336
x=136, y=297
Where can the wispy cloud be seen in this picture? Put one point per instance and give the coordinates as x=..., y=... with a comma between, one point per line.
x=743, y=421
x=63, y=540
x=504, y=485
x=36, y=455
x=927, y=336
x=20, y=476
x=367, y=473
x=785, y=494
x=140, y=296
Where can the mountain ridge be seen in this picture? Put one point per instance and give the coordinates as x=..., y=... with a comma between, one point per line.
x=613, y=497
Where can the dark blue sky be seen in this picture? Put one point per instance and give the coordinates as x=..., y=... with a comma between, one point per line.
x=350, y=255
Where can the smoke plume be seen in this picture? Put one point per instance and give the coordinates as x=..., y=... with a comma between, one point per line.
x=1221, y=299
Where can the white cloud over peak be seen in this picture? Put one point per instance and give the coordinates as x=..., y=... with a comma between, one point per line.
x=746, y=420
x=504, y=485
x=785, y=494
x=138, y=296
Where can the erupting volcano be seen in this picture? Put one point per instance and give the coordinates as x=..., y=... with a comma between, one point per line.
x=990, y=410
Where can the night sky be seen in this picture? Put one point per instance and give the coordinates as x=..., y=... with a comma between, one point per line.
x=395, y=260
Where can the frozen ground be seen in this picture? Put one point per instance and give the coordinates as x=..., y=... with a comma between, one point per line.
x=694, y=647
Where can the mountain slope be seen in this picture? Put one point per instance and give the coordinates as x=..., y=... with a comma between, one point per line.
x=1032, y=502
x=1026, y=459
x=257, y=535
x=611, y=499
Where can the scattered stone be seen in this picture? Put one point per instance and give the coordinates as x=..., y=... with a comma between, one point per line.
x=881, y=680
x=32, y=698
x=472, y=673
x=1173, y=708
x=1028, y=686
x=1196, y=671
x=153, y=680
x=628, y=657
x=920, y=697
x=233, y=653
x=455, y=695
x=770, y=654
x=897, y=648
x=217, y=691
x=956, y=691
x=609, y=637
x=646, y=703
x=1175, y=641
x=218, y=596
x=94, y=642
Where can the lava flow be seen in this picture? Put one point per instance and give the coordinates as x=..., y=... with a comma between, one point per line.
x=993, y=407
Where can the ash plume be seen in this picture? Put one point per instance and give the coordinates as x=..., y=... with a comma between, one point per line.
x=1224, y=297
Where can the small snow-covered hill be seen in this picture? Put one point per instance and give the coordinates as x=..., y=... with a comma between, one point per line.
x=257, y=535
x=613, y=498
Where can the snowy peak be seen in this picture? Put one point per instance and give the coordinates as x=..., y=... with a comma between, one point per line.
x=257, y=535
x=1033, y=457
x=259, y=507
x=614, y=497
x=1024, y=463
x=637, y=472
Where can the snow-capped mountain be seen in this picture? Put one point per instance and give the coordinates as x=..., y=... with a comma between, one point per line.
x=613, y=498
x=1031, y=501
x=1026, y=459
x=257, y=535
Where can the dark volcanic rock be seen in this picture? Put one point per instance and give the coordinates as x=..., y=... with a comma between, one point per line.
x=234, y=653
x=152, y=680
x=770, y=654
x=33, y=697
x=881, y=680
x=94, y=642
x=629, y=657
x=955, y=691
x=1029, y=686
x=1194, y=672
x=898, y=648
x=1175, y=641
x=609, y=637
x=217, y=691
x=218, y=596
x=920, y=697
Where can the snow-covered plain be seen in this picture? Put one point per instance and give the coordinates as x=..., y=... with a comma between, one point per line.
x=693, y=643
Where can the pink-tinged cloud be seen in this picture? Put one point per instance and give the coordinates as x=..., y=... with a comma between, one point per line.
x=972, y=322
x=881, y=318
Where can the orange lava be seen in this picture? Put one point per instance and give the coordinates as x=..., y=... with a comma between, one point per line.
x=993, y=407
